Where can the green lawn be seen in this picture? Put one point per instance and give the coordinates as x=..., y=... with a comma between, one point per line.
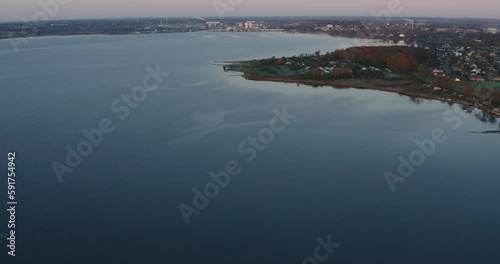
x=478, y=85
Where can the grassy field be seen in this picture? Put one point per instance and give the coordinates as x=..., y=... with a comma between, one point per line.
x=478, y=85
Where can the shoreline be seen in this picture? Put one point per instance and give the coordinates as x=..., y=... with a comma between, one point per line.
x=205, y=30
x=89, y=35
x=368, y=87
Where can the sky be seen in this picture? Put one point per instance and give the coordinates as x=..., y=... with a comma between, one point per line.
x=16, y=10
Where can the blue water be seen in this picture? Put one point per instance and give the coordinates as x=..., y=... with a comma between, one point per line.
x=322, y=175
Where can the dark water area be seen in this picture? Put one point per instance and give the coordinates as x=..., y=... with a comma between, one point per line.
x=322, y=174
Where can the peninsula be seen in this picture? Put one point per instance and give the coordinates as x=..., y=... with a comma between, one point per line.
x=399, y=69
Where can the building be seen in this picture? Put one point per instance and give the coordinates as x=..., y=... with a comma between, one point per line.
x=492, y=30
x=251, y=25
x=213, y=24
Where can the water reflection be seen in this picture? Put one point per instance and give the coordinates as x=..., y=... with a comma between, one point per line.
x=416, y=100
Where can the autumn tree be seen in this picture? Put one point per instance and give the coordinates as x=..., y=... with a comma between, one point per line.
x=392, y=62
x=424, y=71
x=256, y=64
x=316, y=73
x=342, y=73
x=496, y=96
x=404, y=64
x=441, y=81
x=469, y=91
x=484, y=93
x=400, y=59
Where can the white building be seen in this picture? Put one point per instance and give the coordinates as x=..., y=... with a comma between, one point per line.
x=492, y=30
x=213, y=24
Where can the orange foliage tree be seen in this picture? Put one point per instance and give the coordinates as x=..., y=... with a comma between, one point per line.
x=496, y=96
x=469, y=91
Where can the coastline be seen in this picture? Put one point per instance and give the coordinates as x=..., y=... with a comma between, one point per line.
x=12, y=38
x=398, y=90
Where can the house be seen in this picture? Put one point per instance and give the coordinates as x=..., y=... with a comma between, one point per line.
x=438, y=71
x=475, y=71
x=438, y=89
x=476, y=78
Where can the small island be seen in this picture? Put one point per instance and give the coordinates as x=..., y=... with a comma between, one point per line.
x=399, y=69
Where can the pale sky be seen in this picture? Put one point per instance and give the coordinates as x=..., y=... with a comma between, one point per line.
x=15, y=10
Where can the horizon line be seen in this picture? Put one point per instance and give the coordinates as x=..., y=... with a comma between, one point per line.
x=236, y=17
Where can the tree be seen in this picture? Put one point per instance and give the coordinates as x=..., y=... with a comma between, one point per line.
x=256, y=64
x=295, y=66
x=424, y=71
x=342, y=73
x=404, y=64
x=316, y=73
x=392, y=62
x=484, y=93
x=496, y=96
x=469, y=91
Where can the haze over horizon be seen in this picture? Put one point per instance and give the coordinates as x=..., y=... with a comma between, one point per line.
x=92, y=9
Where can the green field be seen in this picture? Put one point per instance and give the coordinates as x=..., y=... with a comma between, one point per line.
x=478, y=85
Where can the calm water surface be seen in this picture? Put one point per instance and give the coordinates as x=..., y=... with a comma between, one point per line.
x=323, y=175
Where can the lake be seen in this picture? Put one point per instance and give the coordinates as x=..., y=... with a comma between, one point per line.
x=319, y=173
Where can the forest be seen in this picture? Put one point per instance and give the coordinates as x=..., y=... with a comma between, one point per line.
x=396, y=58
